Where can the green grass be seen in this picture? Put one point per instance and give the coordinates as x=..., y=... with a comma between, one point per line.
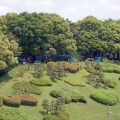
x=77, y=111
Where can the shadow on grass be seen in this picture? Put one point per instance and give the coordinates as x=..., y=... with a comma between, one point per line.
x=42, y=112
x=88, y=83
x=5, y=78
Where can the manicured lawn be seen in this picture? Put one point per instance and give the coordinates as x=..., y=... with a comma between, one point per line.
x=77, y=111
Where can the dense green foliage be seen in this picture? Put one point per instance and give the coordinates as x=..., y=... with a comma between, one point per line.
x=70, y=96
x=41, y=82
x=26, y=85
x=105, y=97
x=12, y=114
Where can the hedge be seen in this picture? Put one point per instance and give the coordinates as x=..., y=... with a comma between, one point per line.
x=68, y=95
x=41, y=82
x=105, y=97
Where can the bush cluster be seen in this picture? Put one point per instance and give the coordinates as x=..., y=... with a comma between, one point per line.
x=105, y=97
x=32, y=88
x=41, y=82
x=69, y=96
x=62, y=116
x=12, y=114
x=73, y=68
x=112, y=82
x=17, y=100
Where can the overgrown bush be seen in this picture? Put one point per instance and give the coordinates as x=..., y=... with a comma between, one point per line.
x=105, y=97
x=41, y=82
x=12, y=114
x=20, y=86
x=11, y=101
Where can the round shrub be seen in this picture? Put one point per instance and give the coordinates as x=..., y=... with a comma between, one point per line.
x=56, y=93
x=65, y=113
x=62, y=117
x=11, y=101
x=1, y=102
x=74, y=98
x=72, y=69
x=105, y=97
x=32, y=88
x=112, y=85
x=12, y=114
x=82, y=99
x=41, y=82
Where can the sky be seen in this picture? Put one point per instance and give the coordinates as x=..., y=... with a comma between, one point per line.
x=74, y=10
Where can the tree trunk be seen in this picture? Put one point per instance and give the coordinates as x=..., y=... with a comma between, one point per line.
x=118, y=55
x=28, y=57
x=114, y=56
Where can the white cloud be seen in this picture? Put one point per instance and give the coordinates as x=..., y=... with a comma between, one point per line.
x=74, y=10
x=11, y=1
x=38, y=3
x=5, y=9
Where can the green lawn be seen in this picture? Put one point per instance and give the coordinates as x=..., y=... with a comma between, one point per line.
x=77, y=111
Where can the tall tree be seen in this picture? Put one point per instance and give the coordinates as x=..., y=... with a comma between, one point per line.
x=7, y=50
x=87, y=40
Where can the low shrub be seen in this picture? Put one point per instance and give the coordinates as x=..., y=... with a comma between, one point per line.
x=112, y=82
x=91, y=70
x=84, y=73
x=32, y=88
x=11, y=101
x=119, y=77
x=105, y=97
x=41, y=82
x=27, y=100
x=112, y=85
x=75, y=80
x=50, y=117
x=68, y=95
x=1, y=102
x=12, y=114
x=116, y=70
x=109, y=70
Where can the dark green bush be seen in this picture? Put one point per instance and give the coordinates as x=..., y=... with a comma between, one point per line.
x=12, y=114
x=82, y=99
x=119, y=77
x=116, y=70
x=32, y=88
x=109, y=70
x=105, y=97
x=41, y=82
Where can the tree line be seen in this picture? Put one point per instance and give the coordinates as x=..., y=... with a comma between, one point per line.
x=34, y=34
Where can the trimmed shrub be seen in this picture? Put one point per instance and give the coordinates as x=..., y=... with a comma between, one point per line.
x=11, y=101
x=105, y=97
x=27, y=100
x=112, y=85
x=50, y=117
x=84, y=73
x=109, y=70
x=112, y=82
x=75, y=80
x=116, y=70
x=12, y=114
x=32, y=88
x=1, y=102
x=65, y=113
x=62, y=117
x=68, y=95
x=41, y=82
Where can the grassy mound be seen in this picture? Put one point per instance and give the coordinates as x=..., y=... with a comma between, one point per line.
x=23, y=85
x=41, y=82
x=68, y=95
x=105, y=97
x=12, y=114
